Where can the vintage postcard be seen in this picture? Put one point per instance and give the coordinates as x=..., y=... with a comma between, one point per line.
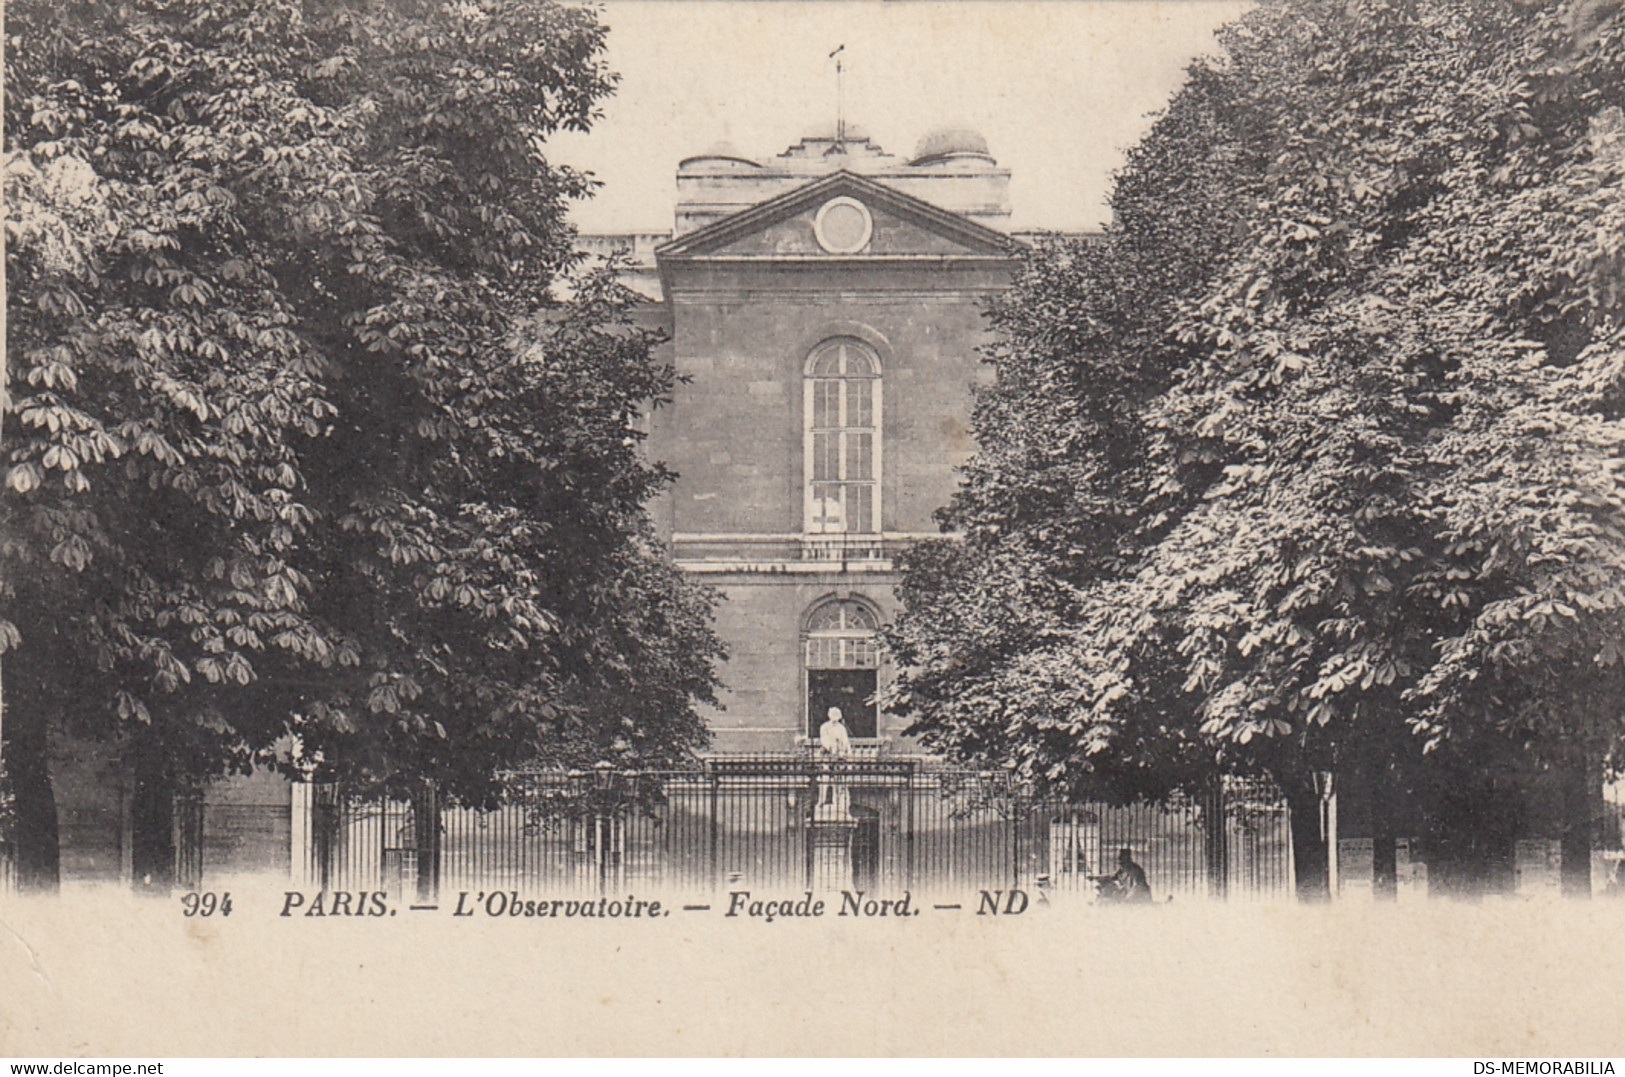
x=789, y=528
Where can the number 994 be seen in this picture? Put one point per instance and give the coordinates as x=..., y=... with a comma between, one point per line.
x=205, y=904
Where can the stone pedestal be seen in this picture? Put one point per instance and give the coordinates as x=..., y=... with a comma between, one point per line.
x=831, y=852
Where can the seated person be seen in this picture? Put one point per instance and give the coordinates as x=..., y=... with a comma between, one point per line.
x=1128, y=884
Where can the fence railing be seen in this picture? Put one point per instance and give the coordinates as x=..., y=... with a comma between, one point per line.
x=877, y=825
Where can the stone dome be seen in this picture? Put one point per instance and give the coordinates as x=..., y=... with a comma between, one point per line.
x=950, y=142
x=720, y=153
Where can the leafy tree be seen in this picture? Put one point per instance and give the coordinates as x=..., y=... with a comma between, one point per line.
x=1368, y=517
x=1053, y=502
x=308, y=456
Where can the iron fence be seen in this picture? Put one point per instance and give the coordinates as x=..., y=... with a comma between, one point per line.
x=873, y=825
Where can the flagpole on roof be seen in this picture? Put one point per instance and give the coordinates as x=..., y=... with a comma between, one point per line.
x=840, y=100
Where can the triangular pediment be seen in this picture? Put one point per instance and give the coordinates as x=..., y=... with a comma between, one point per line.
x=892, y=224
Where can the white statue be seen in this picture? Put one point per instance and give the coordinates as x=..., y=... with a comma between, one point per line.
x=836, y=799
x=832, y=735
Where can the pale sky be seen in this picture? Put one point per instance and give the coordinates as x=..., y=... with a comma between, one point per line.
x=1060, y=88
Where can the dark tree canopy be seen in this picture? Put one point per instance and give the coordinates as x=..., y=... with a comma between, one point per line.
x=1316, y=453
x=315, y=437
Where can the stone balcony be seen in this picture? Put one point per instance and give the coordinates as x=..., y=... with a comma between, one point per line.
x=791, y=552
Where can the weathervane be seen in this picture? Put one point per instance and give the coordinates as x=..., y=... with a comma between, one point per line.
x=840, y=102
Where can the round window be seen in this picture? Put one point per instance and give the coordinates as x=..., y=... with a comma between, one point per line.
x=843, y=226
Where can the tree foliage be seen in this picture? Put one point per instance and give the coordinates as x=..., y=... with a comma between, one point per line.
x=304, y=442
x=1319, y=447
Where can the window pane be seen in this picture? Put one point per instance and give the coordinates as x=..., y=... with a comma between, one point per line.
x=826, y=405
x=858, y=456
x=842, y=635
x=842, y=653
x=860, y=518
x=826, y=618
x=826, y=456
x=858, y=617
x=828, y=511
x=859, y=406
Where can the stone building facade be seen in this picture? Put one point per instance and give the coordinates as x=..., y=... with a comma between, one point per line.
x=825, y=308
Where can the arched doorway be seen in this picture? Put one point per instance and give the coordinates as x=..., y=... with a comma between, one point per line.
x=841, y=662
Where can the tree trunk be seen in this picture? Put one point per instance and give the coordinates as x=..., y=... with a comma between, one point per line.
x=1575, y=839
x=28, y=778
x=1216, y=843
x=426, y=832
x=152, y=845
x=1385, y=864
x=1309, y=849
x=326, y=808
x=1384, y=839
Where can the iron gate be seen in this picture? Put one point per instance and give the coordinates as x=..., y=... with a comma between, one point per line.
x=876, y=825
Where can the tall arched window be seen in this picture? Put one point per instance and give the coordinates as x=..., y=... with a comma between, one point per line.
x=842, y=659
x=842, y=448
